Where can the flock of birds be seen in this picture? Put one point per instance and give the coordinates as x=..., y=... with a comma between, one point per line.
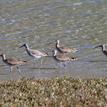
x=60, y=54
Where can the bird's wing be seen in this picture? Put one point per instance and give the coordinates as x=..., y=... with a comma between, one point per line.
x=37, y=52
x=14, y=61
x=62, y=57
x=65, y=49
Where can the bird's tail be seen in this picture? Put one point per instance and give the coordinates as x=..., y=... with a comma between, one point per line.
x=73, y=59
x=25, y=61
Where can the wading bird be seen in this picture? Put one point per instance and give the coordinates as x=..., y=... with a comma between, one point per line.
x=64, y=49
x=34, y=53
x=62, y=57
x=12, y=62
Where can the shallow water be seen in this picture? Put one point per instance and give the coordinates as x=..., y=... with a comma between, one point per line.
x=81, y=24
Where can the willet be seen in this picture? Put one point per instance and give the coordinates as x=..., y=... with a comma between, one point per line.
x=62, y=57
x=34, y=53
x=12, y=62
x=64, y=49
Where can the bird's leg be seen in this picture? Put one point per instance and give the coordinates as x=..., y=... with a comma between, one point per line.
x=62, y=64
x=11, y=68
x=18, y=69
x=41, y=61
x=35, y=62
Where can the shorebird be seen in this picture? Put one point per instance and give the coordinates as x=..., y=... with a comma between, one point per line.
x=103, y=47
x=34, y=53
x=62, y=57
x=64, y=49
x=12, y=62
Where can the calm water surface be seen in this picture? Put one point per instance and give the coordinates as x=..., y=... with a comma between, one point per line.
x=81, y=24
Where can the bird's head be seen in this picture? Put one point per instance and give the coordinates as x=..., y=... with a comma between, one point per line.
x=24, y=45
x=3, y=56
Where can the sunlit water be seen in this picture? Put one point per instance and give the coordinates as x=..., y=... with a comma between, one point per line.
x=81, y=24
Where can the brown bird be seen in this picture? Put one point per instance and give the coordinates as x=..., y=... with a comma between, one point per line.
x=12, y=62
x=103, y=48
x=64, y=49
x=62, y=57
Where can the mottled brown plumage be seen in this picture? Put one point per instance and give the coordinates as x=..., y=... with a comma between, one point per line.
x=64, y=49
x=63, y=57
x=12, y=61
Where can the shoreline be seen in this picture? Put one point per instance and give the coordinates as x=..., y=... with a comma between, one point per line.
x=56, y=92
